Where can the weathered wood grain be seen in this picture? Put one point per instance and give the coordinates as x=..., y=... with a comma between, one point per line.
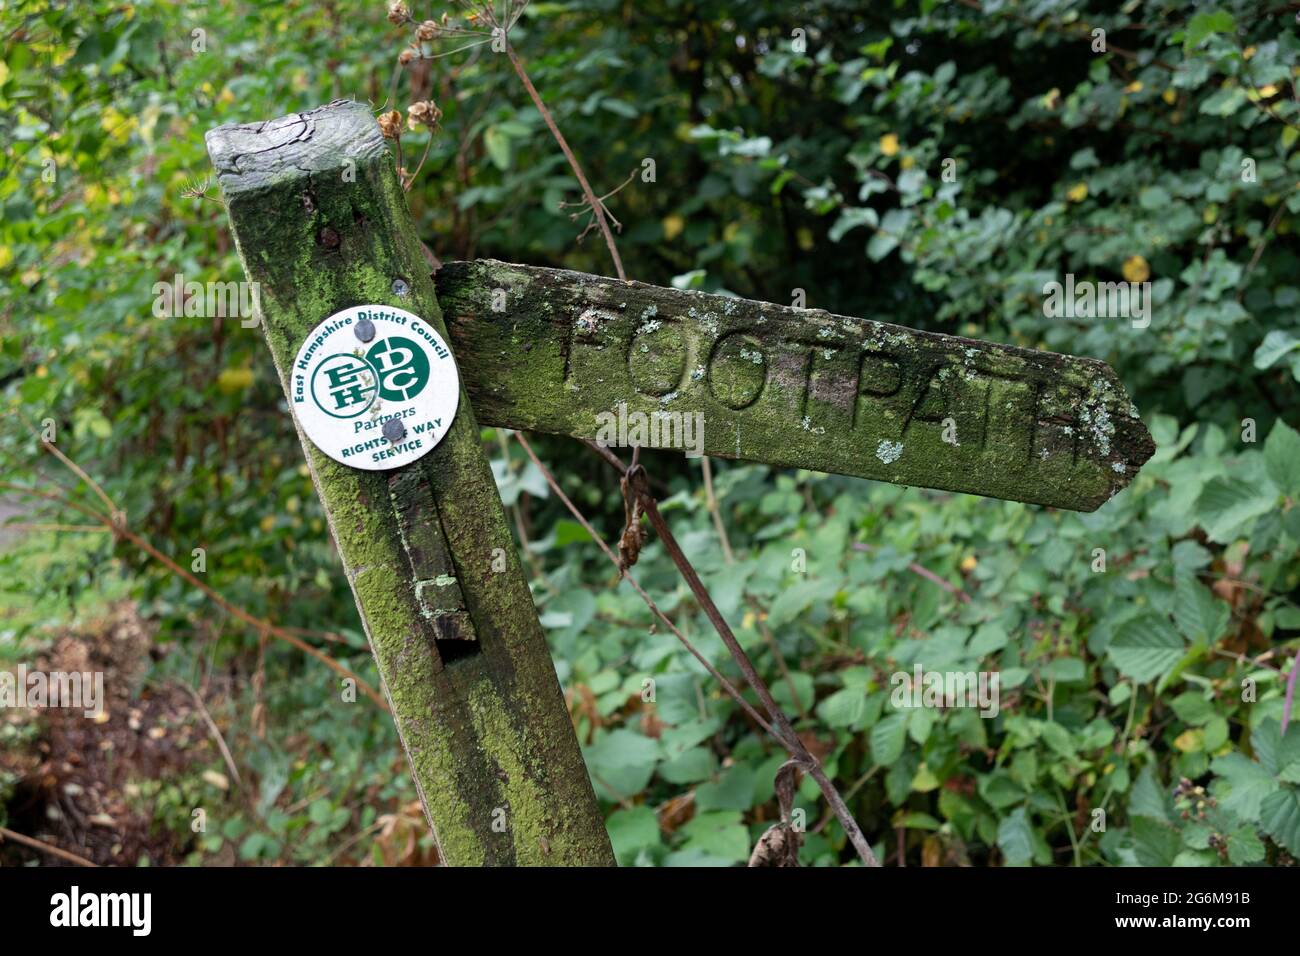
x=322, y=224
x=551, y=351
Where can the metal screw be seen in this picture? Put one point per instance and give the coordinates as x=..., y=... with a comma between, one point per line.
x=394, y=430
x=365, y=330
x=400, y=287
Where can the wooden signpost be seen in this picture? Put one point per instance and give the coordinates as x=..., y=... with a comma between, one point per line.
x=321, y=224
x=550, y=351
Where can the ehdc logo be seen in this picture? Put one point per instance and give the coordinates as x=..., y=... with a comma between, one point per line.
x=346, y=385
x=374, y=387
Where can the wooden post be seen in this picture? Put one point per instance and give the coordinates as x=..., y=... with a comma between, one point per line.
x=321, y=224
x=561, y=352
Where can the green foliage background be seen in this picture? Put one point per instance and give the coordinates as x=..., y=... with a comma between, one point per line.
x=1173, y=153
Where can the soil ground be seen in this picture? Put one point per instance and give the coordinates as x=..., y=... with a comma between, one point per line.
x=75, y=784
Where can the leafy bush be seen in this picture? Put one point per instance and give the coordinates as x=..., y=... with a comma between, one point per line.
x=1170, y=157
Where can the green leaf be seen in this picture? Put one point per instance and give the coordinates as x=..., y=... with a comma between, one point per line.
x=999, y=790
x=1193, y=707
x=1282, y=458
x=621, y=763
x=631, y=831
x=718, y=834
x=1227, y=504
x=694, y=765
x=844, y=708
x=1241, y=786
x=1145, y=647
x=1153, y=197
x=1275, y=345
x=1155, y=843
x=1200, y=616
x=1016, y=838
x=1066, y=670
x=1279, y=815
x=1208, y=23
x=887, y=739
x=1278, y=755
x=570, y=532
x=620, y=108
x=1245, y=846
x=735, y=791
x=803, y=686
x=497, y=145
x=1288, y=754
x=1148, y=798
x=881, y=245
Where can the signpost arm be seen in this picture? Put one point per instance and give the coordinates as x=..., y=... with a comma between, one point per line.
x=566, y=353
x=321, y=225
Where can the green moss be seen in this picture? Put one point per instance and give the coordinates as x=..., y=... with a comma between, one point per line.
x=794, y=388
x=486, y=730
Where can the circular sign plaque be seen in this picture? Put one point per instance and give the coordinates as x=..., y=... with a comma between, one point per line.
x=375, y=387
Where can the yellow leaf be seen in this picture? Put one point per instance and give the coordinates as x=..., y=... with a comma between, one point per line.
x=907, y=162
x=267, y=524
x=235, y=379
x=1266, y=91
x=1247, y=53
x=1078, y=192
x=1190, y=741
x=1051, y=99
x=968, y=563
x=1134, y=87
x=673, y=226
x=803, y=235
x=924, y=780
x=1170, y=96
x=889, y=144
x=6, y=256
x=4, y=72
x=1211, y=213
x=1136, y=269
x=116, y=124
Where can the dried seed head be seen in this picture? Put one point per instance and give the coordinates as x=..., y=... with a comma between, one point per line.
x=423, y=113
x=428, y=30
x=390, y=124
x=398, y=13
x=406, y=56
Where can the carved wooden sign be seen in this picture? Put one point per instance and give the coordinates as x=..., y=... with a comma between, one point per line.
x=321, y=223
x=562, y=352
